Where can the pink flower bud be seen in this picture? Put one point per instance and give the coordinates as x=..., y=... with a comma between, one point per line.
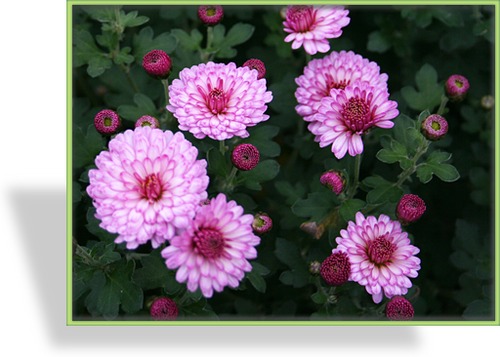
x=410, y=208
x=107, y=121
x=399, y=309
x=335, y=269
x=157, y=64
x=245, y=157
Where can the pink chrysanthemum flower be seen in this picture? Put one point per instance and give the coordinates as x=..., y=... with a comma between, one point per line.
x=164, y=309
x=147, y=120
x=346, y=115
x=157, y=63
x=107, y=121
x=335, y=71
x=147, y=185
x=333, y=180
x=382, y=258
x=457, y=87
x=399, y=309
x=410, y=208
x=434, y=127
x=262, y=223
x=213, y=250
x=312, y=26
x=245, y=157
x=336, y=268
x=218, y=100
x=258, y=65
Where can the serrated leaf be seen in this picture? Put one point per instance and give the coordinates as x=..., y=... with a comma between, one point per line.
x=86, y=146
x=124, y=56
x=315, y=206
x=257, y=281
x=189, y=41
x=266, y=170
x=349, y=208
x=144, y=106
x=101, y=13
x=145, y=41
x=236, y=35
x=319, y=297
x=97, y=65
x=445, y=172
x=382, y=193
x=429, y=91
x=261, y=137
x=132, y=20
x=154, y=274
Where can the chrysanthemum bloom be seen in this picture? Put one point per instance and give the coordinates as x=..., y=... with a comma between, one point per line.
x=333, y=72
x=410, y=208
x=333, y=180
x=262, y=223
x=434, y=127
x=210, y=14
x=258, y=65
x=336, y=268
x=245, y=157
x=399, y=309
x=147, y=185
x=164, y=308
x=107, y=121
x=382, y=258
x=147, y=120
x=312, y=26
x=213, y=250
x=457, y=87
x=218, y=100
x=346, y=115
x=157, y=64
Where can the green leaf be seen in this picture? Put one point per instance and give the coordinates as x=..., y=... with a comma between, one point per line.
x=236, y=35
x=217, y=164
x=145, y=41
x=288, y=253
x=154, y=274
x=315, y=206
x=144, y=106
x=479, y=310
x=377, y=42
x=132, y=20
x=429, y=92
x=87, y=52
x=94, y=228
x=394, y=152
x=261, y=137
x=350, y=207
x=319, y=297
x=86, y=146
x=97, y=65
x=189, y=41
x=123, y=57
x=266, y=170
x=384, y=192
x=257, y=281
x=445, y=172
x=101, y=13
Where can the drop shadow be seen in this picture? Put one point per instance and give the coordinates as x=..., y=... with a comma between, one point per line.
x=41, y=216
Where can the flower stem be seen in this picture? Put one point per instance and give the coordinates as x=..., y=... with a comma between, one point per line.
x=442, y=106
x=422, y=149
x=355, y=182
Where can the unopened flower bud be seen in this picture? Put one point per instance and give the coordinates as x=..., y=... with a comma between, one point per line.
x=399, y=309
x=164, y=308
x=333, y=180
x=147, y=120
x=336, y=269
x=410, y=208
x=245, y=157
x=107, y=121
x=157, y=64
x=487, y=102
x=262, y=223
x=210, y=14
x=434, y=127
x=457, y=87
x=258, y=65
x=314, y=267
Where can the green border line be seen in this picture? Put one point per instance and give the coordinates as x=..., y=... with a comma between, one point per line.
x=69, y=167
